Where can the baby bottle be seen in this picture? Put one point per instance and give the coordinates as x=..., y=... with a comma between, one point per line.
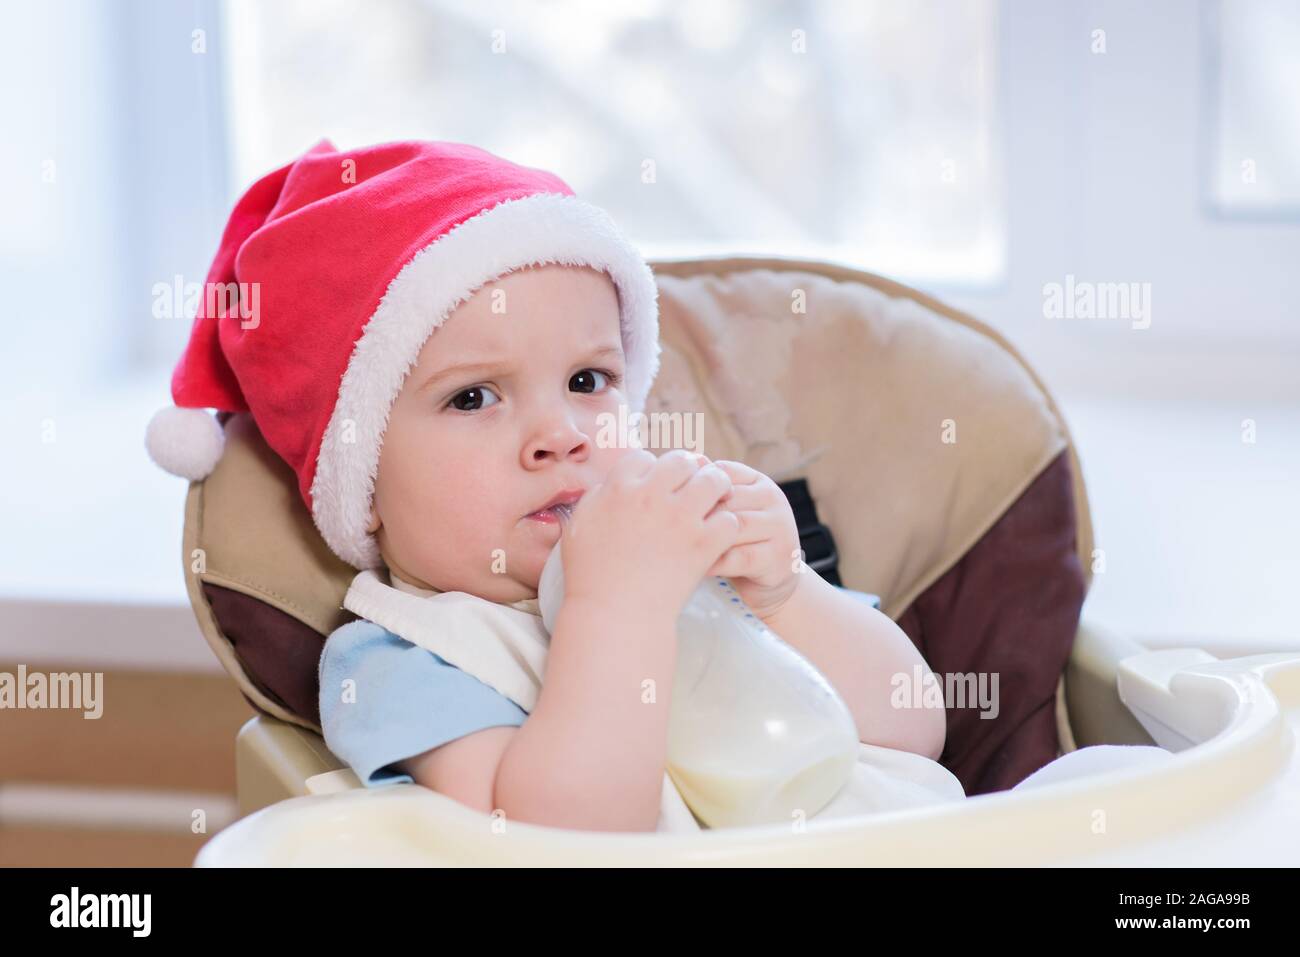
x=756, y=734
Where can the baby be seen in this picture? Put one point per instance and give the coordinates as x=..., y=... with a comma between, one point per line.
x=498, y=420
x=430, y=337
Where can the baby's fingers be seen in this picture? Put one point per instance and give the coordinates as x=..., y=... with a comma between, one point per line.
x=704, y=490
x=756, y=498
x=722, y=529
x=740, y=473
x=739, y=561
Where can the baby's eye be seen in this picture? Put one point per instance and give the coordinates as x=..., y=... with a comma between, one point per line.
x=585, y=381
x=471, y=400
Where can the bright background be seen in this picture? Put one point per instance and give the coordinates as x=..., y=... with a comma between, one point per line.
x=978, y=149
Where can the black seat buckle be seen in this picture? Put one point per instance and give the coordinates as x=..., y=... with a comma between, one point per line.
x=820, y=553
x=815, y=539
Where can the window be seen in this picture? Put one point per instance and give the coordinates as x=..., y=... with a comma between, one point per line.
x=1253, y=76
x=863, y=132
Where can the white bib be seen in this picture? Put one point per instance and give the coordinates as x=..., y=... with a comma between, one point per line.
x=505, y=647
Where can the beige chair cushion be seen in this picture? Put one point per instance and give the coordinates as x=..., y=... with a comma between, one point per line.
x=856, y=393
x=853, y=391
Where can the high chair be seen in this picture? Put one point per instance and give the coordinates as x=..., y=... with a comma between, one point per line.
x=928, y=465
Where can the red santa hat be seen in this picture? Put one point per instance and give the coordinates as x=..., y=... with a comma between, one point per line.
x=331, y=275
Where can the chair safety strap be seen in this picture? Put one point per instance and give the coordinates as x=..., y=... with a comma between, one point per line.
x=814, y=538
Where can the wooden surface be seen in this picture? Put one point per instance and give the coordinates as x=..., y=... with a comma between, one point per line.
x=160, y=734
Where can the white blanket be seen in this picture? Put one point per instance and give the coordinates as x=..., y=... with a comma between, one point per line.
x=505, y=647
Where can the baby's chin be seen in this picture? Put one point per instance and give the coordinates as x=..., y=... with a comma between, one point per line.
x=535, y=538
x=526, y=571
x=504, y=588
x=514, y=571
x=519, y=585
x=511, y=571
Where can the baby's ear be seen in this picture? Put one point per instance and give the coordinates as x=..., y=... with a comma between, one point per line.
x=374, y=520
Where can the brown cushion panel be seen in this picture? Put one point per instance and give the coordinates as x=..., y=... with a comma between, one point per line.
x=1010, y=606
x=279, y=652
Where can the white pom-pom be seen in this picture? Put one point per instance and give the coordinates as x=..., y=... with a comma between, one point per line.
x=185, y=442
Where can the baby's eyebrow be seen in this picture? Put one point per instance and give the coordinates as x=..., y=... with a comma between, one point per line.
x=463, y=369
x=606, y=352
x=483, y=368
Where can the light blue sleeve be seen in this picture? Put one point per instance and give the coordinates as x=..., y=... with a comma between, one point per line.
x=403, y=700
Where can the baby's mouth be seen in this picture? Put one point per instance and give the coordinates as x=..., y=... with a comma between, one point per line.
x=559, y=509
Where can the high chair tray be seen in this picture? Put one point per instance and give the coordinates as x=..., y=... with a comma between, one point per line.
x=1231, y=795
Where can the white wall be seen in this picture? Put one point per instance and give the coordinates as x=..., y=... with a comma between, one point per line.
x=1105, y=172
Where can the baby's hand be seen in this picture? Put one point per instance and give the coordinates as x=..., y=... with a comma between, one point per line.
x=765, y=562
x=649, y=532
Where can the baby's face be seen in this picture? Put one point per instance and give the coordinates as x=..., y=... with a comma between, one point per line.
x=498, y=416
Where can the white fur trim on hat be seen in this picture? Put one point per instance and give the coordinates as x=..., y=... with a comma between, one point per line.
x=185, y=442
x=531, y=231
